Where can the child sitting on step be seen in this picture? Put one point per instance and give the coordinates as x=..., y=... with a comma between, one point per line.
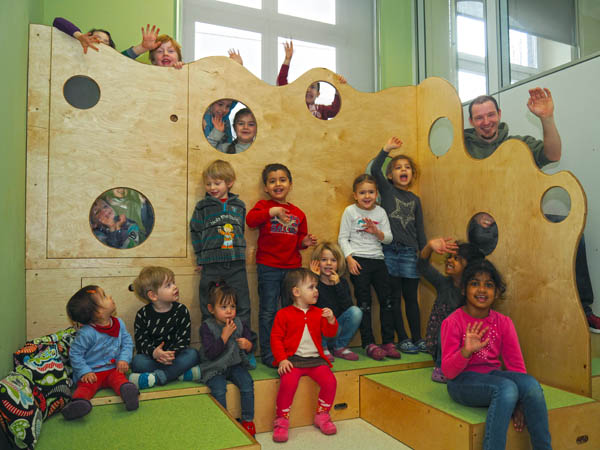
x=296, y=344
x=100, y=353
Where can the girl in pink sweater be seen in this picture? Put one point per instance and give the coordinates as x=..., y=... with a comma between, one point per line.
x=474, y=338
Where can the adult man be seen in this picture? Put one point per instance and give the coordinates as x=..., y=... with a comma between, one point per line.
x=489, y=132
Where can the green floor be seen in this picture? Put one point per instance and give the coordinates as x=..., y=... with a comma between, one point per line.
x=192, y=422
x=418, y=385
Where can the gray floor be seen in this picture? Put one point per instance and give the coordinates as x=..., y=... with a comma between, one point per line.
x=352, y=434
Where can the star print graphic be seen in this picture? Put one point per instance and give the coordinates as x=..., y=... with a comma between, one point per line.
x=403, y=212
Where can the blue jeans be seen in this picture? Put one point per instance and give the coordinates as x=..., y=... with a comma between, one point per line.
x=500, y=390
x=239, y=376
x=348, y=323
x=185, y=360
x=270, y=280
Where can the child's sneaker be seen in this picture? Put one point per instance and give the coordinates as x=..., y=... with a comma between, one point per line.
x=130, y=395
x=421, y=346
x=252, y=361
x=593, y=322
x=406, y=346
x=143, y=380
x=329, y=356
x=391, y=351
x=345, y=353
x=250, y=428
x=438, y=376
x=324, y=423
x=192, y=374
x=280, y=429
x=375, y=351
x=77, y=408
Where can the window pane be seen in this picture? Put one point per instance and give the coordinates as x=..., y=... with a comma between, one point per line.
x=211, y=40
x=249, y=3
x=319, y=10
x=308, y=55
x=470, y=36
x=470, y=85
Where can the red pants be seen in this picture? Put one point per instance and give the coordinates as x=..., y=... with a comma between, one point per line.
x=107, y=378
x=289, y=383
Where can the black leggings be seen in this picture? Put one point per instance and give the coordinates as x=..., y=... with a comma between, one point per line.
x=407, y=287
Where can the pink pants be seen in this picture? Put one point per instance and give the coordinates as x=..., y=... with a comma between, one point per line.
x=289, y=383
x=107, y=378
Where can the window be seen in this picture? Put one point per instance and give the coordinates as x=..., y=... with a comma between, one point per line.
x=338, y=35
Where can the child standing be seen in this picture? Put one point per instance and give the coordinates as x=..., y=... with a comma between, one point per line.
x=217, y=229
x=226, y=343
x=406, y=220
x=100, y=353
x=364, y=227
x=296, y=343
x=475, y=339
x=282, y=234
x=162, y=332
x=447, y=287
x=334, y=293
x=244, y=125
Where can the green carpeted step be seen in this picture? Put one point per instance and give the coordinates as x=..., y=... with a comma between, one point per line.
x=193, y=422
x=418, y=385
x=263, y=372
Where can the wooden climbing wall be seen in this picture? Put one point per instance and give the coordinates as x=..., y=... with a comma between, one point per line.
x=145, y=133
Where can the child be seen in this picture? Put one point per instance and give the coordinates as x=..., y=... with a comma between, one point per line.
x=218, y=111
x=323, y=112
x=334, y=293
x=100, y=353
x=474, y=339
x=134, y=205
x=296, y=343
x=162, y=332
x=244, y=125
x=217, y=228
x=448, y=290
x=114, y=230
x=406, y=221
x=97, y=35
x=282, y=234
x=364, y=227
x=226, y=343
x=166, y=53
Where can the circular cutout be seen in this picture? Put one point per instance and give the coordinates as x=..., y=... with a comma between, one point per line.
x=81, y=92
x=323, y=100
x=122, y=218
x=229, y=126
x=441, y=135
x=483, y=232
x=556, y=204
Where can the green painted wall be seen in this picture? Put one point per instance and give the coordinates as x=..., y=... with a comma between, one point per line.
x=396, y=37
x=15, y=17
x=123, y=19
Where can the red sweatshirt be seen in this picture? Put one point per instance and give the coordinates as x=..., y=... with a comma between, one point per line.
x=288, y=328
x=278, y=244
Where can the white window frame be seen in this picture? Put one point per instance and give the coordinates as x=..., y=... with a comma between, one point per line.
x=355, y=55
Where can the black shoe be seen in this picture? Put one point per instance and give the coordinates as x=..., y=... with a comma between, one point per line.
x=78, y=408
x=130, y=395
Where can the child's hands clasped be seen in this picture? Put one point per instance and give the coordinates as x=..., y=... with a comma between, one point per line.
x=228, y=330
x=165, y=357
x=328, y=314
x=284, y=367
x=392, y=144
x=473, y=339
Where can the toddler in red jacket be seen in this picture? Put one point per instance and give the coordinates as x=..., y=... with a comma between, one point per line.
x=296, y=339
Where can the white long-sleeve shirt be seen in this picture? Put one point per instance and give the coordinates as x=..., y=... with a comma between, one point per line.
x=355, y=241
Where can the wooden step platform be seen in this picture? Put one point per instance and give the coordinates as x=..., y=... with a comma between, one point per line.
x=266, y=385
x=420, y=413
x=191, y=422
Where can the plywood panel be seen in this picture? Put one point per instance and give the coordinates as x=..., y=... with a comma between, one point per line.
x=535, y=256
x=127, y=139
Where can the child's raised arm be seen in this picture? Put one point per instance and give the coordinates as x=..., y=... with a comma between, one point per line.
x=86, y=39
x=392, y=144
x=235, y=55
x=149, y=42
x=288, y=47
x=440, y=246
